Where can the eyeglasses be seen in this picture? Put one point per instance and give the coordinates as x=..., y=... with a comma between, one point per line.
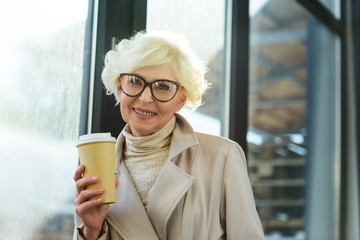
x=162, y=90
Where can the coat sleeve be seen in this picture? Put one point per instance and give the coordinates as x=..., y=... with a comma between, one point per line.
x=79, y=227
x=239, y=216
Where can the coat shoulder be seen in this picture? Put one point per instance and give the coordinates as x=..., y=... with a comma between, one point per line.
x=216, y=147
x=213, y=142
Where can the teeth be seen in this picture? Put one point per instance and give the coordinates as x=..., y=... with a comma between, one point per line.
x=144, y=113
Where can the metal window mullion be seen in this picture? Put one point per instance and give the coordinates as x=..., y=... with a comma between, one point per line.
x=92, y=65
x=239, y=73
x=323, y=15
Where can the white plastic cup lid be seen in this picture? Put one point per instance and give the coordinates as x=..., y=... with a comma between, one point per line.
x=95, y=137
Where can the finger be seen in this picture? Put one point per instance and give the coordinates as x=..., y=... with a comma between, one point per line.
x=78, y=173
x=87, y=194
x=116, y=183
x=81, y=209
x=82, y=183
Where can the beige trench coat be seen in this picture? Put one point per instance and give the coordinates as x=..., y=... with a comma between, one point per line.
x=202, y=192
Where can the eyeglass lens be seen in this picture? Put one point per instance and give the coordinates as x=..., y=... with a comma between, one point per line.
x=162, y=90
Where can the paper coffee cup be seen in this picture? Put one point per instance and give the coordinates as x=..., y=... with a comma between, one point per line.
x=97, y=154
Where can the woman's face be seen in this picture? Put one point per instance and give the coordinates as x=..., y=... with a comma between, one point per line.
x=143, y=113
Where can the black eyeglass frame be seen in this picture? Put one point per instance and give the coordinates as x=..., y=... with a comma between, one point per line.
x=150, y=86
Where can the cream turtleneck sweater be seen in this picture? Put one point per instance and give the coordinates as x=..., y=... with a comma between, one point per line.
x=144, y=157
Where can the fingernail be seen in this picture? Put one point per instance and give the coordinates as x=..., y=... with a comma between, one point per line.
x=93, y=178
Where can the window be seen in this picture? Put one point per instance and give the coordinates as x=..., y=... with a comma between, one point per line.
x=41, y=75
x=277, y=115
x=202, y=23
x=295, y=103
x=294, y=125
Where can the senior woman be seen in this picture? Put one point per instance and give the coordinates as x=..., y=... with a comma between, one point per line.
x=172, y=182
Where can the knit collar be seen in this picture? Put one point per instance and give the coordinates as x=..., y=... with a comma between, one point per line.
x=150, y=143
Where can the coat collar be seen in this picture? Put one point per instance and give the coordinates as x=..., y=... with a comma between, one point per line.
x=171, y=185
x=183, y=137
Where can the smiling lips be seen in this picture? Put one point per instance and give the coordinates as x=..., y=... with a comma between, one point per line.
x=143, y=112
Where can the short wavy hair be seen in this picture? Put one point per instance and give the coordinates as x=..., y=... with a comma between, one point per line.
x=146, y=49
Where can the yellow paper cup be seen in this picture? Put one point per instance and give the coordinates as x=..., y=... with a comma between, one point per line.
x=97, y=154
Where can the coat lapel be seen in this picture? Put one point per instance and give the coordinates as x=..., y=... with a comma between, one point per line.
x=129, y=211
x=168, y=190
x=174, y=180
x=170, y=187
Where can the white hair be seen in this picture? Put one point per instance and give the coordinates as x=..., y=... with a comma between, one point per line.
x=148, y=49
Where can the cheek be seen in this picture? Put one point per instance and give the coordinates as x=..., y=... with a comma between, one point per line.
x=167, y=109
x=125, y=103
x=123, y=99
x=125, y=111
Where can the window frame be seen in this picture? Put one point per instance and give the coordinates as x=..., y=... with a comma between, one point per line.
x=109, y=21
x=116, y=19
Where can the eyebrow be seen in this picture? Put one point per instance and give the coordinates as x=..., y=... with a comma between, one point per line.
x=142, y=77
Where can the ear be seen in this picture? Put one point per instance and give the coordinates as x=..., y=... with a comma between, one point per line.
x=118, y=92
x=181, y=102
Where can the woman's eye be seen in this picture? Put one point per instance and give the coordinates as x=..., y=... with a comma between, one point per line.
x=163, y=86
x=134, y=81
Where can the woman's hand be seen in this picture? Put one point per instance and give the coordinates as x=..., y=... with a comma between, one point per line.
x=92, y=212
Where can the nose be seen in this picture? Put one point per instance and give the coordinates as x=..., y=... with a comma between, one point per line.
x=146, y=96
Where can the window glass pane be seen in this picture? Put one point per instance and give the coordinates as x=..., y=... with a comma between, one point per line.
x=333, y=6
x=202, y=23
x=293, y=74
x=41, y=60
x=323, y=135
